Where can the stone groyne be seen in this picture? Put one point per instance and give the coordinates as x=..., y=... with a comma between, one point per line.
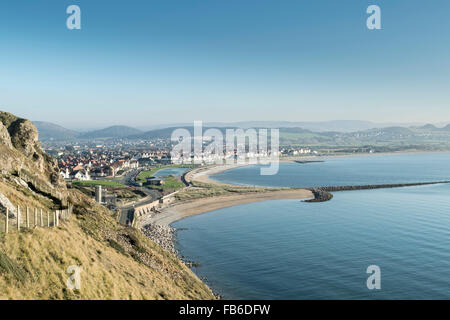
x=323, y=194
x=320, y=195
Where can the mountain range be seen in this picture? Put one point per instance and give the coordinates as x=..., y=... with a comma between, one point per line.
x=316, y=126
x=291, y=133
x=50, y=131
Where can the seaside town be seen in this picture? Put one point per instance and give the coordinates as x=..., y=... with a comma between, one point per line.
x=228, y=156
x=122, y=174
x=83, y=162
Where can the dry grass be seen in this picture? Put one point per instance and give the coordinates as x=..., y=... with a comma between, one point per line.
x=118, y=262
x=19, y=195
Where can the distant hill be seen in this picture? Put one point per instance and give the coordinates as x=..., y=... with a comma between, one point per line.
x=287, y=135
x=315, y=126
x=327, y=133
x=111, y=132
x=51, y=131
x=395, y=135
x=429, y=127
x=166, y=133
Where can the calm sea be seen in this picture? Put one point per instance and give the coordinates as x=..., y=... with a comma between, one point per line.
x=288, y=249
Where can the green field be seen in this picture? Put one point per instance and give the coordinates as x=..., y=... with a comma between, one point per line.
x=104, y=183
x=142, y=177
x=171, y=184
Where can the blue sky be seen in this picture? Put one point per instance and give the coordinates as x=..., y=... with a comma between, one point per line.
x=150, y=62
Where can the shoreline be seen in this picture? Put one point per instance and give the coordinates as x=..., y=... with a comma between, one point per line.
x=204, y=174
x=158, y=227
x=181, y=210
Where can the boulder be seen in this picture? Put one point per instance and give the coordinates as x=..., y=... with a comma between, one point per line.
x=5, y=139
x=6, y=204
x=25, y=138
x=21, y=135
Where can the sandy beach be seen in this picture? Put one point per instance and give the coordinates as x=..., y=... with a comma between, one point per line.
x=182, y=210
x=203, y=174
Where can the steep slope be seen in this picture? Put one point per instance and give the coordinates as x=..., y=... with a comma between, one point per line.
x=118, y=262
x=20, y=149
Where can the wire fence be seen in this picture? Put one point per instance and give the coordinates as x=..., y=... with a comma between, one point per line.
x=29, y=218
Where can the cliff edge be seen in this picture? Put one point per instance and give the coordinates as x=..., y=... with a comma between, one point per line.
x=116, y=261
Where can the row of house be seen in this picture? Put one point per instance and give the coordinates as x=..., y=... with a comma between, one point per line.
x=295, y=151
x=84, y=172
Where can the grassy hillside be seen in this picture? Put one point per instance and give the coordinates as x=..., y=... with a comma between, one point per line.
x=117, y=262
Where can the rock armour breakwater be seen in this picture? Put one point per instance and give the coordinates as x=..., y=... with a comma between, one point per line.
x=323, y=194
x=320, y=195
x=161, y=235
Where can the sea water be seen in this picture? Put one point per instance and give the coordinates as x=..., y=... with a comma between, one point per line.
x=289, y=249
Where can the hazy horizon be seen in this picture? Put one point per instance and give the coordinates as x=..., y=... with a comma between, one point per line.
x=287, y=123
x=171, y=62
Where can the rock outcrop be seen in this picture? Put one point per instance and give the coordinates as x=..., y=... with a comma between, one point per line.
x=20, y=137
x=6, y=204
x=23, y=162
x=5, y=138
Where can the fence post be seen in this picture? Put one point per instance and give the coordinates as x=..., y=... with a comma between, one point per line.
x=18, y=218
x=35, y=217
x=57, y=217
x=42, y=220
x=28, y=218
x=54, y=219
x=48, y=219
x=7, y=220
